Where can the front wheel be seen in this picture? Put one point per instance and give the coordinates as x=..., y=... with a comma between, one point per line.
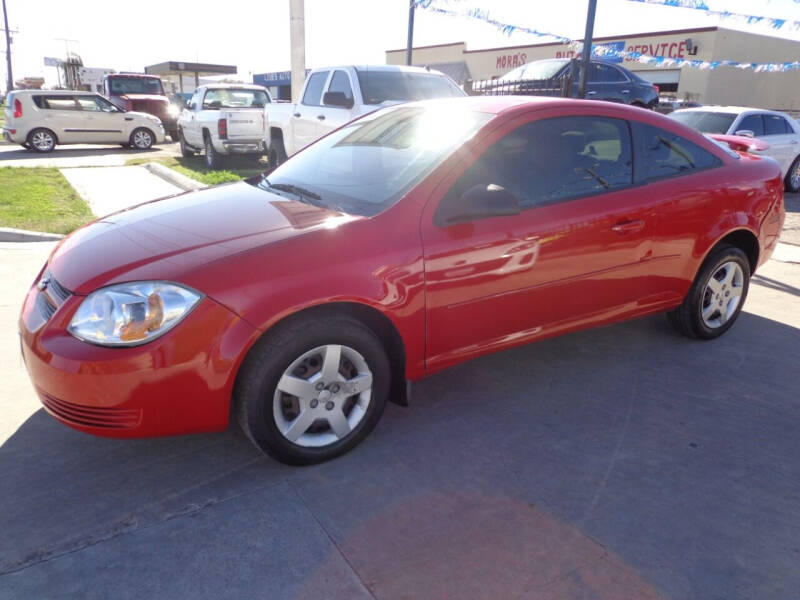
x=142, y=139
x=792, y=180
x=716, y=297
x=186, y=152
x=313, y=390
x=277, y=154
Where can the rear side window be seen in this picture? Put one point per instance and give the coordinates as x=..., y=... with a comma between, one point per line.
x=600, y=73
x=554, y=160
x=340, y=82
x=55, y=102
x=667, y=154
x=752, y=123
x=776, y=125
x=313, y=93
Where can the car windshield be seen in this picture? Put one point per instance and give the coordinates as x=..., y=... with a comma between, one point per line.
x=402, y=86
x=366, y=166
x=538, y=69
x=705, y=121
x=233, y=98
x=136, y=85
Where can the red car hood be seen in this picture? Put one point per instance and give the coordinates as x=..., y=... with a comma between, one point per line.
x=168, y=238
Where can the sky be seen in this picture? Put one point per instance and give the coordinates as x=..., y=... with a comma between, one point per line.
x=254, y=34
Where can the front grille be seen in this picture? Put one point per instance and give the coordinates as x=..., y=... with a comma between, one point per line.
x=91, y=416
x=51, y=297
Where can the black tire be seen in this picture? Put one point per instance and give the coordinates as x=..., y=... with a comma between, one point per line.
x=277, y=153
x=186, y=151
x=258, y=378
x=142, y=138
x=793, y=186
x=42, y=140
x=175, y=135
x=687, y=318
x=214, y=159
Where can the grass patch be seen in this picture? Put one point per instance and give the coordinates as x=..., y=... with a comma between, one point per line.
x=40, y=199
x=195, y=167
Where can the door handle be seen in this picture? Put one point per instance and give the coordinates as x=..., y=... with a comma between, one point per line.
x=591, y=93
x=628, y=226
x=626, y=91
x=296, y=115
x=321, y=117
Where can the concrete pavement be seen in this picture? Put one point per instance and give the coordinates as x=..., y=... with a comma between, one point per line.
x=111, y=189
x=81, y=155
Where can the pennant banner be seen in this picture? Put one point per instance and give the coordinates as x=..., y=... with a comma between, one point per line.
x=774, y=22
x=610, y=51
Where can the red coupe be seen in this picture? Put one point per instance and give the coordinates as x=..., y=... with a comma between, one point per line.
x=415, y=238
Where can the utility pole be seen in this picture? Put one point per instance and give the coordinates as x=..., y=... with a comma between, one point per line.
x=297, y=38
x=410, y=44
x=587, y=48
x=10, y=84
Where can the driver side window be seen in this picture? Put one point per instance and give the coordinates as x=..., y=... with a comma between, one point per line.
x=555, y=160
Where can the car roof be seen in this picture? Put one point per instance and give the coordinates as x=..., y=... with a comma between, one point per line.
x=739, y=110
x=232, y=86
x=55, y=92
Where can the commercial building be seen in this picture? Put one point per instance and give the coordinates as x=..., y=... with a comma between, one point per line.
x=723, y=85
x=183, y=77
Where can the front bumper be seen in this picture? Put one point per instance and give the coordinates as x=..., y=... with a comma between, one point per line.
x=179, y=383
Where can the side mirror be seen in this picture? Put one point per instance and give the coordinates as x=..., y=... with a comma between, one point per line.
x=746, y=133
x=337, y=99
x=478, y=202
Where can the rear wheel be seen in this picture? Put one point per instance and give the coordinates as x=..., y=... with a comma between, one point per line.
x=792, y=179
x=716, y=297
x=213, y=158
x=314, y=390
x=142, y=138
x=42, y=140
x=277, y=153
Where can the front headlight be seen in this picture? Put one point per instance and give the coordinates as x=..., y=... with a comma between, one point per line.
x=128, y=314
x=154, y=119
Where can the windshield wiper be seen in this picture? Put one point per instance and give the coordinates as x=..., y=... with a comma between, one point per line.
x=308, y=195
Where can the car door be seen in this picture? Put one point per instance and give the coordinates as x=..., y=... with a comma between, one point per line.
x=102, y=122
x=606, y=83
x=575, y=254
x=679, y=177
x=306, y=118
x=783, y=143
x=60, y=114
x=333, y=113
x=189, y=123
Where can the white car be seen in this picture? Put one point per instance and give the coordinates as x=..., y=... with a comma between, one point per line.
x=41, y=119
x=777, y=129
x=224, y=119
x=334, y=96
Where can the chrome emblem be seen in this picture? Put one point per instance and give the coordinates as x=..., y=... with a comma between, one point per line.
x=43, y=283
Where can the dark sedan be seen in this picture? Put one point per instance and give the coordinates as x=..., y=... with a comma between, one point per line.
x=560, y=76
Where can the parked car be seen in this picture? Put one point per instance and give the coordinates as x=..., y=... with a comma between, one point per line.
x=39, y=120
x=413, y=239
x=667, y=104
x=780, y=131
x=559, y=76
x=224, y=119
x=143, y=93
x=334, y=96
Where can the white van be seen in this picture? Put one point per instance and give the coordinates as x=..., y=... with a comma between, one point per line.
x=40, y=119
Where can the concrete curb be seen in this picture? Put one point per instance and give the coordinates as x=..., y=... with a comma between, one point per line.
x=9, y=234
x=170, y=176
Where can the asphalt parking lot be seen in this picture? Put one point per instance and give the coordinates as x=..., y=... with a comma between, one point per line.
x=623, y=462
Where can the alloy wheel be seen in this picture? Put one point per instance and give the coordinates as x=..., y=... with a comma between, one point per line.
x=322, y=396
x=142, y=139
x=722, y=294
x=42, y=141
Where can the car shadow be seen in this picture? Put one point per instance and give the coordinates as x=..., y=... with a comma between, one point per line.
x=622, y=462
x=68, y=152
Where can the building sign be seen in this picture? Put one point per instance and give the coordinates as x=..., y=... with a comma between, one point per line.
x=671, y=49
x=52, y=62
x=510, y=61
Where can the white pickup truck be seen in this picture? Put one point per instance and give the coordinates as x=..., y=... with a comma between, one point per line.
x=334, y=96
x=224, y=119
